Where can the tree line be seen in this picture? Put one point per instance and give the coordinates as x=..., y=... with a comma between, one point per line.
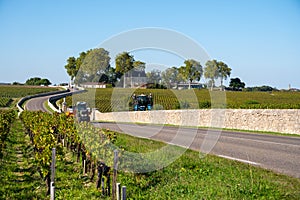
x=94, y=66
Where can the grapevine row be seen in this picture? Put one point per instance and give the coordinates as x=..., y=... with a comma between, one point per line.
x=59, y=131
x=6, y=118
x=5, y=101
x=118, y=99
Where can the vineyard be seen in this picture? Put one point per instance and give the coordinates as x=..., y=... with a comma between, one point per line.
x=6, y=118
x=88, y=176
x=22, y=91
x=119, y=99
x=58, y=131
x=5, y=101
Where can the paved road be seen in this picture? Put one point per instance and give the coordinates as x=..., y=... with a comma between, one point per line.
x=37, y=104
x=278, y=153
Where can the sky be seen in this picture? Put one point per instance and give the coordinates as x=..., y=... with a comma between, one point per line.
x=258, y=39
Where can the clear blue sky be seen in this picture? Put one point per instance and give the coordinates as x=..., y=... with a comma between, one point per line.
x=258, y=39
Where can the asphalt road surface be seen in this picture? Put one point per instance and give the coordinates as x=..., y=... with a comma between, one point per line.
x=278, y=153
x=36, y=104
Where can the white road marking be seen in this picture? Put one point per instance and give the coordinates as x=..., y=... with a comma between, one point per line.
x=261, y=141
x=240, y=160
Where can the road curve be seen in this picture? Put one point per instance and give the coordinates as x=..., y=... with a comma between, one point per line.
x=277, y=153
x=36, y=104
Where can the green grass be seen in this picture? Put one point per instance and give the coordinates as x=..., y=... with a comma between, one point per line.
x=72, y=184
x=211, y=177
x=18, y=177
x=48, y=107
x=118, y=99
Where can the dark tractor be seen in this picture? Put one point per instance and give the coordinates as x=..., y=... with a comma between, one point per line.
x=82, y=112
x=142, y=102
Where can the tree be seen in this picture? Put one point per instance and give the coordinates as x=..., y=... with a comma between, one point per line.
x=216, y=69
x=37, y=81
x=171, y=75
x=191, y=71
x=95, y=64
x=112, y=76
x=224, y=71
x=139, y=65
x=45, y=81
x=124, y=63
x=211, y=72
x=236, y=84
x=154, y=76
x=71, y=67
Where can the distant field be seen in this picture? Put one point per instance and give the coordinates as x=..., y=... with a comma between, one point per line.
x=22, y=91
x=9, y=93
x=118, y=99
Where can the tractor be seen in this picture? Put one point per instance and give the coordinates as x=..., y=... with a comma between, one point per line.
x=82, y=112
x=142, y=102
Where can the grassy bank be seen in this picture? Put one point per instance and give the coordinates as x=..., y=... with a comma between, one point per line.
x=192, y=177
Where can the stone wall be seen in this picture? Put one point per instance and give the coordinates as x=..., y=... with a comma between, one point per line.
x=277, y=120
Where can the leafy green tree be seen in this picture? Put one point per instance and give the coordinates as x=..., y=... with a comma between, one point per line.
x=71, y=67
x=171, y=76
x=191, y=71
x=45, y=81
x=224, y=71
x=95, y=64
x=139, y=65
x=124, y=63
x=37, y=81
x=211, y=72
x=154, y=76
x=216, y=69
x=236, y=84
x=81, y=58
x=112, y=76
x=263, y=88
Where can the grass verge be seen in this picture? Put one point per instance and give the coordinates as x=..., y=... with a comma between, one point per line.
x=48, y=107
x=211, y=177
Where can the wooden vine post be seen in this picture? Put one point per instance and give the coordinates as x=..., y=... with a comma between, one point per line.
x=114, y=183
x=52, y=186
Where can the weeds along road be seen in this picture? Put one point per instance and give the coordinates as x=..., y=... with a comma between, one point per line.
x=278, y=153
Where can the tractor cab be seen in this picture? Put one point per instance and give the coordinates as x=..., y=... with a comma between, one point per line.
x=142, y=102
